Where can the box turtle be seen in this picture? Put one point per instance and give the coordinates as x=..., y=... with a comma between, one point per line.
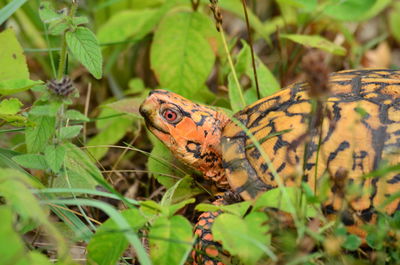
x=360, y=132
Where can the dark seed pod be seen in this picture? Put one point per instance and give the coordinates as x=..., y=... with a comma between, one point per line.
x=62, y=87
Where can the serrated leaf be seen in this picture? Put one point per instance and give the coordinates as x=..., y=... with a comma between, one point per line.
x=10, y=106
x=170, y=240
x=80, y=170
x=32, y=161
x=12, y=86
x=108, y=244
x=12, y=56
x=246, y=237
x=70, y=132
x=349, y=10
x=316, y=41
x=75, y=115
x=54, y=155
x=46, y=110
x=37, y=136
x=85, y=48
x=181, y=54
x=120, y=27
x=47, y=13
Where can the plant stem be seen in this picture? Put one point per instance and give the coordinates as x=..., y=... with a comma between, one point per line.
x=63, y=53
x=243, y=102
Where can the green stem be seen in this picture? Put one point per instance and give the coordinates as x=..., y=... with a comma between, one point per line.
x=63, y=53
x=243, y=102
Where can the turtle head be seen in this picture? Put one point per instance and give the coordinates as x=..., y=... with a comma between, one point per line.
x=191, y=131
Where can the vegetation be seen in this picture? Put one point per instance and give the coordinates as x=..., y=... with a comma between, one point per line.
x=81, y=179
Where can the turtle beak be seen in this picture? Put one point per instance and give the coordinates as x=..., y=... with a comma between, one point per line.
x=149, y=111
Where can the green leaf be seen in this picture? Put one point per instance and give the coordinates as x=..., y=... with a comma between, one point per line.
x=11, y=56
x=181, y=52
x=394, y=21
x=10, y=106
x=9, y=9
x=246, y=237
x=274, y=199
x=54, y=155
x=12, y=247
x=46, y=110
x=170, y=240
x=112, y=130
x=316, y=41
x=70, y=132
x=128, y=23
x=349, y=10
x=37, y=137
x=352, y=242
x=80, y=171
x=183, y=189
x=162, y=164
x=12, y=86
x=15, y=190
x=47, y=13
x=238, y=209
x=85, y=48
x=75, y=115
x=108, y=244
x=32, y=161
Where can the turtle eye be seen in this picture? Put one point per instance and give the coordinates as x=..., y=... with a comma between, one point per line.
x=171, y=116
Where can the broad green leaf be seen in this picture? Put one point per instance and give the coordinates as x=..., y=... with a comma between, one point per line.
x=75, y=115
x=128, y=105
x=111, y=131
x=307, y=5
x=349, y=10
x=162, y=164
x=10, y=106
x=15, y=120
x=376, y=9
x=183, y=189
x=352, y=242
x=266, y=80
x=47, y=13
x=170, y=240
x=108, y=244
x=394, y=21
x=316, y=41
x=85, y=48
x=50, y=109
x=246, y=238
x=80, y=170
x=12, y=58
x=37, y=258
x=54, y=155
x=181, y=53
x=238, y=209
x=12, y=86
x=32, y=161
x=57, y=27
x=274, y=199
x=37, y=137
x=128, y=24
x=70, y=132
x=12, y=247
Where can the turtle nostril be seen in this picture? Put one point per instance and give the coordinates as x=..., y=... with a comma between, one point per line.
x=143, y=111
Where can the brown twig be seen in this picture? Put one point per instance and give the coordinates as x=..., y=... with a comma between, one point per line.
x=253, y=61
x=195, y=4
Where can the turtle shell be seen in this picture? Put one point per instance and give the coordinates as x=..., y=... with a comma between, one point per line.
x=360, y=131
